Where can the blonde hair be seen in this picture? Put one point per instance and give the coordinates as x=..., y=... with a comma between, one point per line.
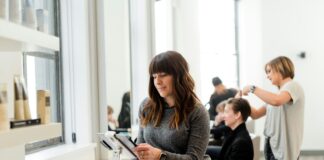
x=110, y=110
x=221, y=106
x=282, y=65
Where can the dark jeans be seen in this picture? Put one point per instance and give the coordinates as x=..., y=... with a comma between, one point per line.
x=268, y=154
x=213, y=151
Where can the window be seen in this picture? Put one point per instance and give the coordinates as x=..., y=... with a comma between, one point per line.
x=217, y=44
x=42, y=71
x=217, y=39
x=163, y=26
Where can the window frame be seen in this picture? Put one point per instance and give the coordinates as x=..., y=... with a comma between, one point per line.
x=57, y=57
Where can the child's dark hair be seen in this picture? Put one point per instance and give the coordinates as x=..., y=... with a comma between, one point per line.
x=240, y=105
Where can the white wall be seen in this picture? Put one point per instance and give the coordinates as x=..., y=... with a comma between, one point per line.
x=287, y=28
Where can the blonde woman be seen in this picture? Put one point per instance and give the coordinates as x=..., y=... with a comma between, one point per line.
x=284, y=124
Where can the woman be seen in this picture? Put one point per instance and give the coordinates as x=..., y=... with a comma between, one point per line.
x=124, y=118
x=112, y=122
x=238, y=144
x=284, y=124
x=174, y=124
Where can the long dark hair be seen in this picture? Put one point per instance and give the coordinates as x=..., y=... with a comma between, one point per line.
x=174, y=64
x=124, y=118
x=240, y=105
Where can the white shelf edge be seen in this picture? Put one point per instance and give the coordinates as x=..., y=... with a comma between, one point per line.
x=23, y=135
x=18, y=37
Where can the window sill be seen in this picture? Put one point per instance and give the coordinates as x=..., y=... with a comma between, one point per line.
x=23, y=135
x=66, y=151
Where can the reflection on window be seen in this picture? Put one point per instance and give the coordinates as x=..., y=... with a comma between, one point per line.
x=42, y=73
x=217, y=44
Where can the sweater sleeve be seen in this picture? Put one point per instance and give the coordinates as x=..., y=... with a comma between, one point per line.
x=198, y=138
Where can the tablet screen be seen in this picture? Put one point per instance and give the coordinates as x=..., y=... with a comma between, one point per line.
x=128, y=143
x=112, y=141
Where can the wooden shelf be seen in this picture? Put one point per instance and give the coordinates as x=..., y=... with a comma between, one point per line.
x=14, y=37
x=21, y=136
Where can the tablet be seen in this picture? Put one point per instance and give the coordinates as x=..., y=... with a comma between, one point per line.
x=127, y=142
x=112, y=141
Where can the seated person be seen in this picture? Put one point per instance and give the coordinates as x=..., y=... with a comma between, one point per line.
x=112, y=122
x=238, y=144
x=219, y=129
x=124, y=118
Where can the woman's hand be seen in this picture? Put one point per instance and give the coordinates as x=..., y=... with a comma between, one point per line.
x=146, y=151
x=246, y=90
x=238, y=94
x=218, y=120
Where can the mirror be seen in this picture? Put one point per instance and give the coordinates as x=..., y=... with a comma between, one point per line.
x=114, y=63
x=114, y=77
x=116, y=68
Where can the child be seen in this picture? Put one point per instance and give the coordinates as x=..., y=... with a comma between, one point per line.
x=219, y=129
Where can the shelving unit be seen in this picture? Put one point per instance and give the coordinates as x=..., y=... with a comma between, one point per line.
x=13, y=142
x=17, y=38
x=14, y=37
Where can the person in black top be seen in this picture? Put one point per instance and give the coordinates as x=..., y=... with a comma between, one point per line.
x=124, y=118
x=238, y=144
x=220, y=94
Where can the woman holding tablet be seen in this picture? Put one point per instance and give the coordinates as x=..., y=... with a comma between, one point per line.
x=174, y=124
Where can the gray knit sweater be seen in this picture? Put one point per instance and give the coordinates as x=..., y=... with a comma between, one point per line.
x=186, y=143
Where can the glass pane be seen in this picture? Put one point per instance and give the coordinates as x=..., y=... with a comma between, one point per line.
x=221, y=65
x=41, y=75
x=47, y=15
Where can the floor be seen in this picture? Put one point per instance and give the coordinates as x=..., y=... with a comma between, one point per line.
x=307, y=158
x=312, y=158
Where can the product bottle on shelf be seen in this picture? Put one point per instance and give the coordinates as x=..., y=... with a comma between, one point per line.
x=15, y=11
x=4, y=13
x=29, y=14
x=43, y=106
x=42, y=20
x=4, y=121
x=25, y=99
x=19, y=103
